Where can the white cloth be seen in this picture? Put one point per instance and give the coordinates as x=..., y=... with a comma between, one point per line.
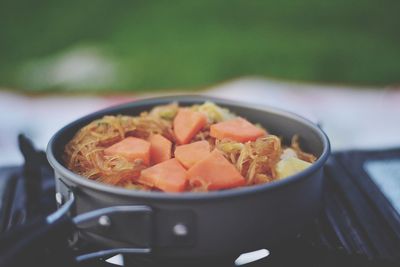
x=352, y=118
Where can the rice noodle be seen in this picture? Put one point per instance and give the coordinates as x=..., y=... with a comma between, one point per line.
x=255, y=160
x=84, y=154
x=295, y=145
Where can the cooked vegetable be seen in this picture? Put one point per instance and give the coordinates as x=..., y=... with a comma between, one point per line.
x=213, y=112
x=237, y=129
x=191, y=153
x=160, y=148
x=166, y=112
x=290, y=166
x=135, y=152
x=216, y=172
x=168, y=176
x=131, y=148
x=187, y=123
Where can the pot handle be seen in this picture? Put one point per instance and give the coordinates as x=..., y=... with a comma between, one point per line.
x=103, y=221
x=37, y=240
x=46, y=238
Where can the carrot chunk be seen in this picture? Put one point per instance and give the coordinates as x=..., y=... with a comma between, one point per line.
x=168, y=176
x=191, y=153
x=237, y=129
x=216, y=172
x=187, y=124
x=160, y=149
x=131, y=148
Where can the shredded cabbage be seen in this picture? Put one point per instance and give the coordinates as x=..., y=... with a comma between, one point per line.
x=213, y=112
x=166, y=112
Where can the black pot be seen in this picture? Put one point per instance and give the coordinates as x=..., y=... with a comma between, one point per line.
x=197, y=225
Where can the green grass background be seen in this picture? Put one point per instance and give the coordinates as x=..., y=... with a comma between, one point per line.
x=191, y=44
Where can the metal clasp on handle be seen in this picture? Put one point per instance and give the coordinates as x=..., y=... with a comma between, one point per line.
x=129, y=224
x=106, y=218
x=62, y=210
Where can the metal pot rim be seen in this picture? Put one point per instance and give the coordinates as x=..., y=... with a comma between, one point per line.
x=235, y=192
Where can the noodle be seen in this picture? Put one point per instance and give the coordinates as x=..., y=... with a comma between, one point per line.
x=255, y=160
x=84, y=153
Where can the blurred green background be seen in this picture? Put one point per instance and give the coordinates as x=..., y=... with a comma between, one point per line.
x=121, y=45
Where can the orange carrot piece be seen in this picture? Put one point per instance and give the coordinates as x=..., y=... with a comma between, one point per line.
x=187, y=123
x=237, y=129
x=160, y=149
x=168, y=176
x=191, y=153
x=131, y=148
x=216, y=172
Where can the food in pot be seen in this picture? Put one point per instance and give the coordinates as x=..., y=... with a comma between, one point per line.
x=174, y=149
